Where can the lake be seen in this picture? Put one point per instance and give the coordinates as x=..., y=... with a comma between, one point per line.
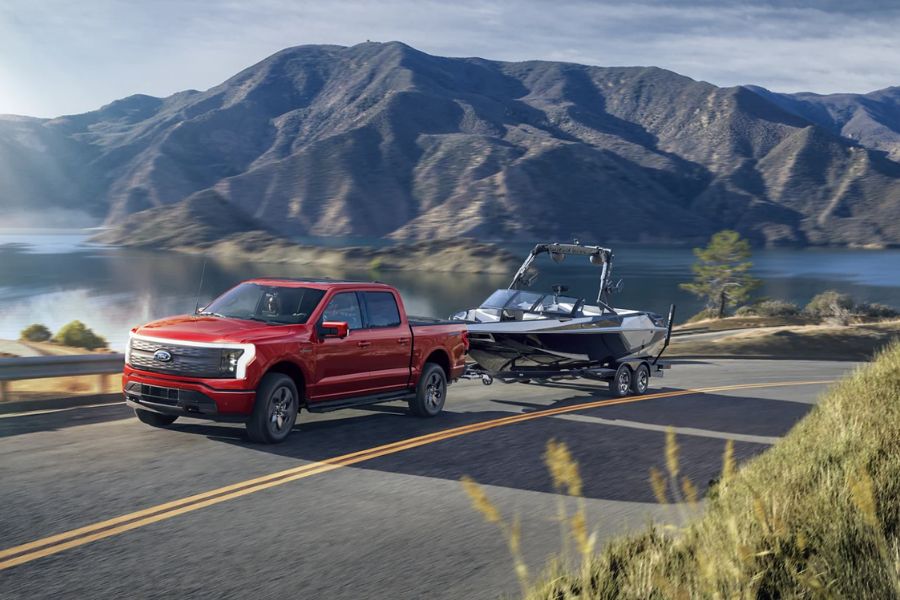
x=53, y=277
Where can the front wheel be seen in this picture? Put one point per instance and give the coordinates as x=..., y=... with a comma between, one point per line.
x=275, y=409
x=154, y=418
x=431, y=392
x=620, y=386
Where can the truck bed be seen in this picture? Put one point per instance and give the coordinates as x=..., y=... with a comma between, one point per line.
x=427, y=321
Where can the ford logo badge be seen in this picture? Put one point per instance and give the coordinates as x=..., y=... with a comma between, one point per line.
x=162, y=356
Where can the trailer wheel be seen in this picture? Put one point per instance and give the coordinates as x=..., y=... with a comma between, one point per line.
x=620, y=385
x=641, y=380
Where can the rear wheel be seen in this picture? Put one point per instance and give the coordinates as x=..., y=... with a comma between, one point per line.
x=620, y=385
x=275, y=409
x=154, y=418
x=641, y=380
x=431, y=392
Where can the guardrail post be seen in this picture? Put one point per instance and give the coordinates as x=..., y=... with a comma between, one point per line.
x=4, y=391
x=103, y=382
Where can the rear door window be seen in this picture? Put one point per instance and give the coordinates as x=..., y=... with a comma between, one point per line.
x=382, y=309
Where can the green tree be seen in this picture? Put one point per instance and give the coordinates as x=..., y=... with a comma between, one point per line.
x=35, y=333
x=721, y=273
x=78, y=335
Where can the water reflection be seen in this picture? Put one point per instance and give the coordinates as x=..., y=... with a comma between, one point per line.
x=113, y=290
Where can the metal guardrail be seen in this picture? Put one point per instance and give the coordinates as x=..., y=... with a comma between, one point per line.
x=42, y=367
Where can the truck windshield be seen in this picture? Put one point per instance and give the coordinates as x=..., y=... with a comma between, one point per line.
x=270, y=304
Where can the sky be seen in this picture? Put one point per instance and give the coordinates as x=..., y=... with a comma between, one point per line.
x=62, y=57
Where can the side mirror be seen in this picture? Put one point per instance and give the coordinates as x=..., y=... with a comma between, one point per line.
x=334, y=329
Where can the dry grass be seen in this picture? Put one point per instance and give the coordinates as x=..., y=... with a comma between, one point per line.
x=750, y=322
x=817, y=516
x=62, y=387
x=834, y=342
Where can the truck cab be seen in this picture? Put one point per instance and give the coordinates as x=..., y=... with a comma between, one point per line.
x=267, y=348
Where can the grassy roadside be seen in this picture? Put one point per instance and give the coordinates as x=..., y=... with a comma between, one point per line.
x=859, y=341
x=61, y=387
x=817, y=516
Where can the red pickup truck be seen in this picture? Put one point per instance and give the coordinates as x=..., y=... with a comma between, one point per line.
x=268, y=347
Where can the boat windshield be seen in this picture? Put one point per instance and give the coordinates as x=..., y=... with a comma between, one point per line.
x=512, y=299
x=530, y=301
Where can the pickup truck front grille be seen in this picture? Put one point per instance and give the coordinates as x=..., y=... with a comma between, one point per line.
x=186, y=361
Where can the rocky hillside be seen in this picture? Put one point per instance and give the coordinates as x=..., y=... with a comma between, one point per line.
x=205, y=223
x=384, y=140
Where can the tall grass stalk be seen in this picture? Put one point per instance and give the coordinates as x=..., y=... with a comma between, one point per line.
x=512, y=531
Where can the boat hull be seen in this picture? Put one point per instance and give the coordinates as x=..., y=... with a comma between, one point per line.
x=578, y=342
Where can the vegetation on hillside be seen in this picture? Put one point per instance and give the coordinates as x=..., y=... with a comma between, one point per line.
x=777, y=338
x=838, y=308
x=830, y=307
x=78, y=335
x=768, y=308
x=721, y=273
x=816, y=516
x=35, y=333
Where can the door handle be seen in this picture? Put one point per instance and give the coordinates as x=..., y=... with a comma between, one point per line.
x=363, y=344
x=403, y=341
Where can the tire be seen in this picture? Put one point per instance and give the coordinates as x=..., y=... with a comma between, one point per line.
x=431, y=392
x=275, y=410
x=620, y=386
x=154, y=419
x=641, y=380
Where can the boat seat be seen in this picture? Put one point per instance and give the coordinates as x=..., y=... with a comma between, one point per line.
x=576, y=310
x=512, y=315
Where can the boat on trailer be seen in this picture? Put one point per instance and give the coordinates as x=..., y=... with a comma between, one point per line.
x=519, y=334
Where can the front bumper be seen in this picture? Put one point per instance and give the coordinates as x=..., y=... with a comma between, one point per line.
x=181, y=397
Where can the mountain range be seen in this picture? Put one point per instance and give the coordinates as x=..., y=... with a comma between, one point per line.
x=382, y=140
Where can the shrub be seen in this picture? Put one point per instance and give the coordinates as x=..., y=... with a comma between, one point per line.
x=35, y=333
x=875, y=310
x=830, y=305
x=769, y=308
x=78, y=335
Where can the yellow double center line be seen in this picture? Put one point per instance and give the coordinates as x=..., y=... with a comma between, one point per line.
x=53, y=544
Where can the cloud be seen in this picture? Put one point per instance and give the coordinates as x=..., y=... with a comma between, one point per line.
x=62, y=57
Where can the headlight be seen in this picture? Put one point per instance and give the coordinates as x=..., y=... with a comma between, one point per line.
x=229, y=361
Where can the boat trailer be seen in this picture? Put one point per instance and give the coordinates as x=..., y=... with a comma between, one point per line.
x=605, y=372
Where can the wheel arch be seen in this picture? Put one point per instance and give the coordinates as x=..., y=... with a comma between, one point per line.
x=439, y=357
x=295, y=372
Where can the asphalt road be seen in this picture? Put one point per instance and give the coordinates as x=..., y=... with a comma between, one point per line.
x=343, y=520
